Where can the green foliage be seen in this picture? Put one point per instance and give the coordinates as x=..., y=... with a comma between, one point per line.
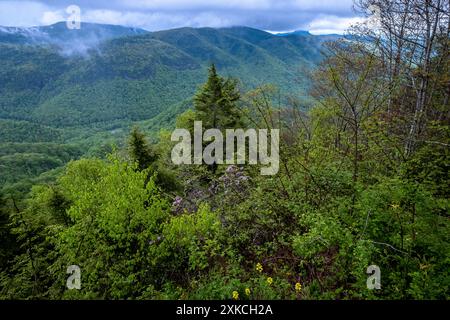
x=22, y=131
x=347, y=196
x=7, y=246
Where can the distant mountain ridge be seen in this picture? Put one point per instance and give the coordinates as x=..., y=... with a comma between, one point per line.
x=296, y=32
x=90, y=35
x=79, y=86
x=87, y=87
x=105, y=74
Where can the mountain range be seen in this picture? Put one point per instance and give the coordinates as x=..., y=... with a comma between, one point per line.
x=87, y=86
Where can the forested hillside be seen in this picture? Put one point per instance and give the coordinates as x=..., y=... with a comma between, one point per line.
x=363, y=174
x=87, y=87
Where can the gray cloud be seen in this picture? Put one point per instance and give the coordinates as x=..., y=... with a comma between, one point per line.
x=319, y=16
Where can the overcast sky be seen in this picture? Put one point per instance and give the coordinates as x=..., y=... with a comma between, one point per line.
x=316, y=16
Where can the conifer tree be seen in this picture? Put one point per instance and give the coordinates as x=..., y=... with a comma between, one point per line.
x=216, y=102
x=140, y=151
x=146, y=157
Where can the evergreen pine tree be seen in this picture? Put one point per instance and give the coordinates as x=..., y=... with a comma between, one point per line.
x=216, y=102
x=146, y=157
x=140, y=151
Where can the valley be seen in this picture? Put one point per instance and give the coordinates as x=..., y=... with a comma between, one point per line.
x=83, y=90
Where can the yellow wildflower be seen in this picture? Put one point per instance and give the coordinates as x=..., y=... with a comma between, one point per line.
x=269, y=281
x=395, y=206
x=247, y=291
x=259, y=267
x=235, y=295
x=298, y=287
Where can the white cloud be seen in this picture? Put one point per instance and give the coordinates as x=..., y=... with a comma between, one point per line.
x=320, y=5
x=21, y=13
x=332, y=24
x=199, y=4
x=318, y=16
x=51, y=17
x=157, y=20
x=307, y=5
x=137, y=19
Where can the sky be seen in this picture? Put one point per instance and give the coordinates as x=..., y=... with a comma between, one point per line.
x=316, y=16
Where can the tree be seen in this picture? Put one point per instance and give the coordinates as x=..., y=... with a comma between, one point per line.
x=407, y=39
x=216, y=102
x=349, y=83
x=140, y=151
x=146, y=157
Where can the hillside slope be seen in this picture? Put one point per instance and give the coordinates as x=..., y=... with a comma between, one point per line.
x=90, y=85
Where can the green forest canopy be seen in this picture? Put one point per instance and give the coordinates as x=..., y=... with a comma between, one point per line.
x=363, y=181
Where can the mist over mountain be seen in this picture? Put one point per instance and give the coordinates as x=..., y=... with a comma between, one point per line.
x=69, y=41
x=37, y=64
